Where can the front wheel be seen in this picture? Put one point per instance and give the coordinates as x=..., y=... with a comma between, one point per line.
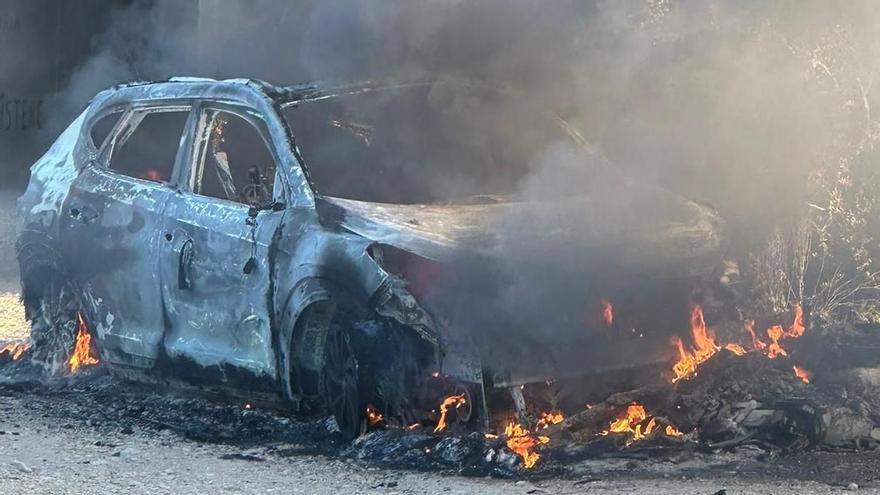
x=340, y=387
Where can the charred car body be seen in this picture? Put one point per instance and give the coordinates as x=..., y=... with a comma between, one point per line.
x=185, y=221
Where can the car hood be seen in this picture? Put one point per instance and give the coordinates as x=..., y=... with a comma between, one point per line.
x=636, y=227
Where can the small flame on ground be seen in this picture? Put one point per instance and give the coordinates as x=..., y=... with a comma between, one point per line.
x=703, y=349
x=632, y=421
x=775, y=350
x=672, y=431
x=522, y=441
x=797, y=327
x=457, y=401
x=804, y=375
x=607, y=312
x=15, y=349
x=736, y=349
x=82, y=351
x=757, y=343
x=549, y=418
x=776, y=333
x=636, y=421
x=374, y=417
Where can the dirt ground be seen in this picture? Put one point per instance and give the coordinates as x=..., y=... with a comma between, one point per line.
x=52, y=443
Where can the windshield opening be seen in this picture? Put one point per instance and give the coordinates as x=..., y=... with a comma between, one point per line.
x=437, y=143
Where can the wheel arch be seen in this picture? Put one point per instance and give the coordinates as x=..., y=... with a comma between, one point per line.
x=308, y=293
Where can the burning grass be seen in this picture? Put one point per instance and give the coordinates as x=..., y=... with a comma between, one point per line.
x=705, y=345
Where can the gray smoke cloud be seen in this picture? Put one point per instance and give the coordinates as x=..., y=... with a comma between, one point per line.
x=732, y=103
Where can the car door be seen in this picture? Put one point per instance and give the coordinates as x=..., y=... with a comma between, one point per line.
x=111, y=229
x=216, y=245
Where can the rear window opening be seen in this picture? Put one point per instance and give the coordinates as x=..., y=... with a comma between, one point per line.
x=101, y=129
x=146, y=146
x=421, y=144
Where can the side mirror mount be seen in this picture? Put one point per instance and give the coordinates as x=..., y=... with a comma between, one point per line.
x=255, y=210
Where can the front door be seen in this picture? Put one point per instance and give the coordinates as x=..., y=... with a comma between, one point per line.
x=216, y=242
x=112, y=220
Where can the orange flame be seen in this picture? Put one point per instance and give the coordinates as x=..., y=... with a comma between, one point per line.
x=457, y=401
x=15, y=349
x=704, y=347
x=797, y=327
x=636, y=421
x=549, y=418
x=776, y=333
x=736, y=349
x=757, y=343
x=607, y=312
x=803, y=374
x=631, y=421
x=82, y=350
x=374, y=417
x=522, y=441
x=775, y=350
x=672, y=431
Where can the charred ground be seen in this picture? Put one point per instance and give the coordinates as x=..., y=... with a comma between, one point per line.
x=114, y=418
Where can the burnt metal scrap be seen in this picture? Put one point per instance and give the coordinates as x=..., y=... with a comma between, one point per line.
x=222, y=264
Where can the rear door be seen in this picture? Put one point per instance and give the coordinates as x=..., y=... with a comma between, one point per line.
x=215, y=249
x=112, y=227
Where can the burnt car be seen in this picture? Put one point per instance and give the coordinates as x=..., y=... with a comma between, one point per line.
x=331, y=249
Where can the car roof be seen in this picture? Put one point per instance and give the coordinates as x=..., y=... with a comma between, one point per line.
x=247, y=89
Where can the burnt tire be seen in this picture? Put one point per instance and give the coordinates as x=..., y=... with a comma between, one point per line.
x=322, y=371
x=53, y=307
x=340, y=383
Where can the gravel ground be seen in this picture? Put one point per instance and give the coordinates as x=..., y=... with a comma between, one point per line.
x=48, y=446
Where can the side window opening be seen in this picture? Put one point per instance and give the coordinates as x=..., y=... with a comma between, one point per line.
x=101, y=129
x=236, y=164
x=146, y=147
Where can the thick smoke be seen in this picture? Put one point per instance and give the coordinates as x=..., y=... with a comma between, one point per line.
x=731, y=103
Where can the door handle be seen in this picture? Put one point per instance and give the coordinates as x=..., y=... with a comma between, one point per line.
x=184, y=265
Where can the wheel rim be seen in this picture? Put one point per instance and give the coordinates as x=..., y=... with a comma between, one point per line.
x=341, y=383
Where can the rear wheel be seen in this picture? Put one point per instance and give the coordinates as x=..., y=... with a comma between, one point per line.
x=53, y=309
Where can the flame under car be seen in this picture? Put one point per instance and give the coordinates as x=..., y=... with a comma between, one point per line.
x=373, y=247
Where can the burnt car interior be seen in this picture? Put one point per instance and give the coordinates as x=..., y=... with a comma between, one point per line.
x=420, y=144
x=146, y=147
x=236, y=164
